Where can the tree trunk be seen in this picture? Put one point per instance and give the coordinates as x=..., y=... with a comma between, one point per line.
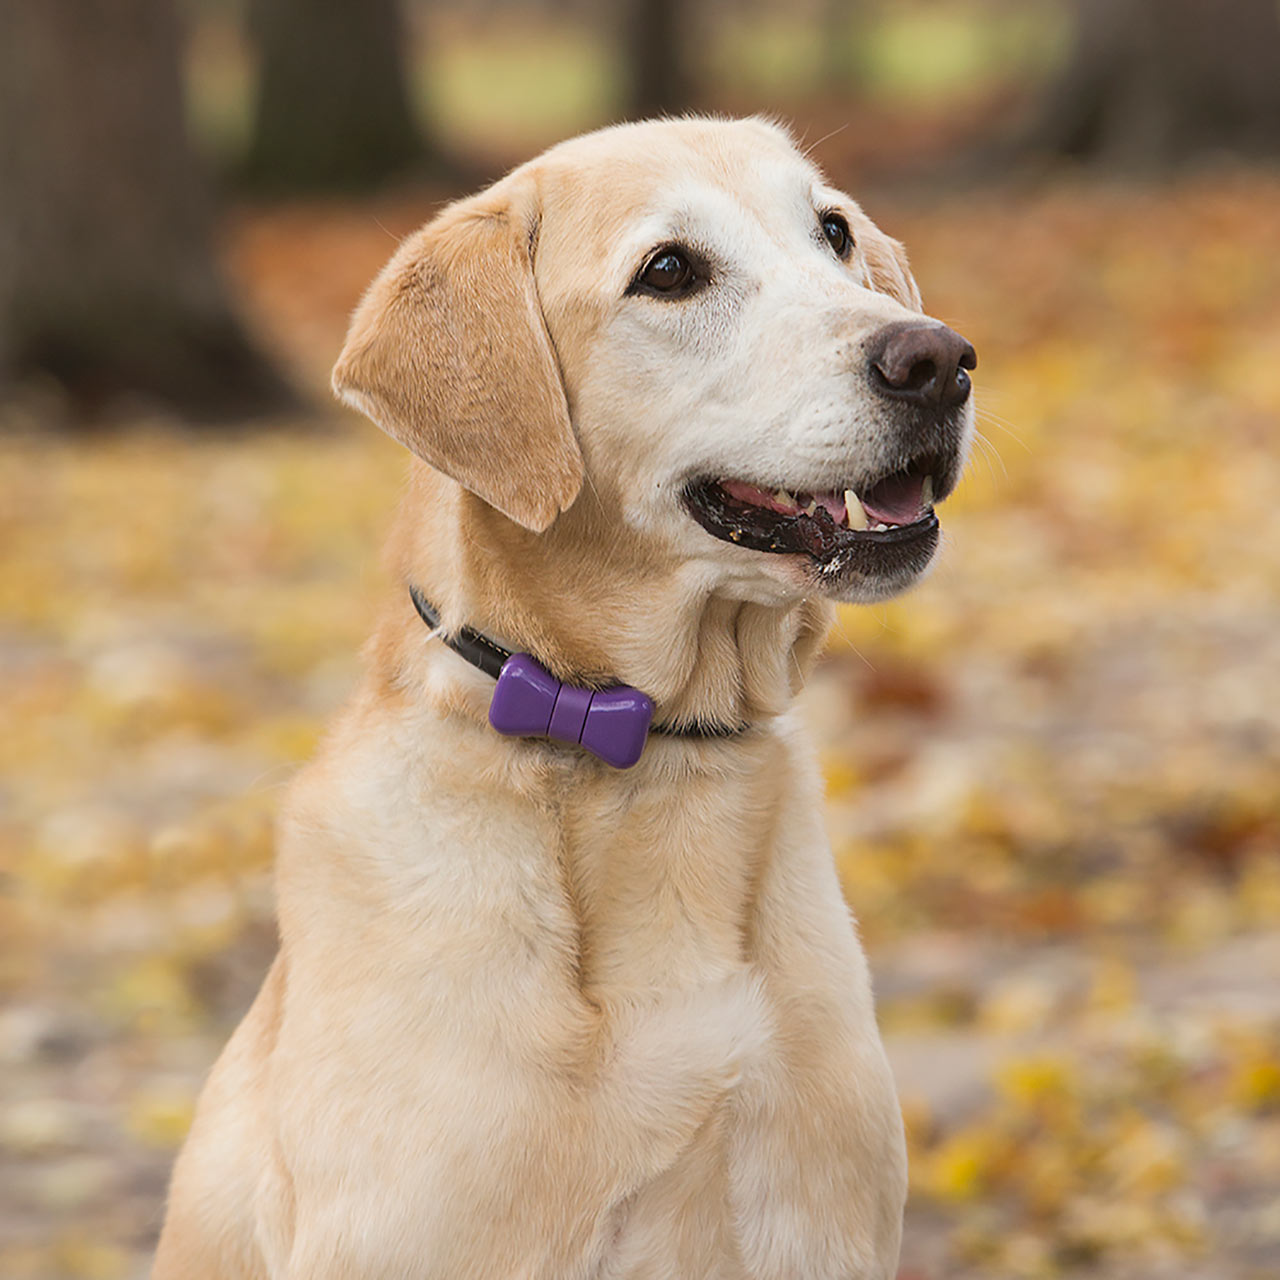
x=844, y=25
x=108, y=281
x=333, y=110
x=1153, y=83
x=656, y=39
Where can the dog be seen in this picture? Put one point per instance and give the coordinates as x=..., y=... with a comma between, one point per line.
x=558, y=1006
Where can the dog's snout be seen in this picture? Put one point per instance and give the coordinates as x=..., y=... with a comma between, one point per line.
x=922, y=364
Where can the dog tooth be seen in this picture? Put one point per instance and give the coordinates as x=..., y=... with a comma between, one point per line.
x=812, y=507
x=855, y=516
x=784, y=498
x=926, y=492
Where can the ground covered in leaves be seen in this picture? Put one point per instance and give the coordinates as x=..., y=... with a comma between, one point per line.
x=1052, y=769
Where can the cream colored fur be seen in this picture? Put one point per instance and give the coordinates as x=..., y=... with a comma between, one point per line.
x=533, y=1017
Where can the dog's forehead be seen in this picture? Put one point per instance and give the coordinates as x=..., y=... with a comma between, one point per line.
x=668, y=177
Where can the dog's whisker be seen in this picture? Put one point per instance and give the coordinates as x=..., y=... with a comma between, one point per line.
x=808, y=151
x=990, y=456
x=840, y=630
x=983, y=414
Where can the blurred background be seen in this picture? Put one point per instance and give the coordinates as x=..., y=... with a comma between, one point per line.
x=1053, y=769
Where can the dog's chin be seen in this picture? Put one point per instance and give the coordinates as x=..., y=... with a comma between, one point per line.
x=851, y=576
x=813, y=541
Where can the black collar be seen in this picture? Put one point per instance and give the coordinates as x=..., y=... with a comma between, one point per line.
x=490, y=657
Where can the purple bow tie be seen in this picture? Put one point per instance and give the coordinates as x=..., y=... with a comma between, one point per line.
x=530, y=702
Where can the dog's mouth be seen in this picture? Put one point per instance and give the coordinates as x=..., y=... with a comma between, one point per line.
x=875, y=534
x=890, y=510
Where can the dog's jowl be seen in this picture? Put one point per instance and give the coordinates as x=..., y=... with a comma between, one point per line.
x=566, y=986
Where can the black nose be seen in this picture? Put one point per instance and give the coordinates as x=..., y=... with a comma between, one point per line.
x=924, y=364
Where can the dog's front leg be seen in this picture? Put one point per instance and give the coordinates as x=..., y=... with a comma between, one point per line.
x=818, y=1164
x=526, y=1149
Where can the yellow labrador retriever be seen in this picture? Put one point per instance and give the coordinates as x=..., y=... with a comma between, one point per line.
x=536, y=1014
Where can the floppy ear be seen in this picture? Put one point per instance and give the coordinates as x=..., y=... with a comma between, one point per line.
x=448, y=352
x=886, y=261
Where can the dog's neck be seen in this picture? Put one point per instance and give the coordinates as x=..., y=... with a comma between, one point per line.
x=593, y=608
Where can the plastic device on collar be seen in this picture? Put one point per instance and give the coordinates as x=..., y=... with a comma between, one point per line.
x=529, y=702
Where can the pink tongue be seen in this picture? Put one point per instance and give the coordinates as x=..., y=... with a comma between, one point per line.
x=896, y=500
x=834, y=503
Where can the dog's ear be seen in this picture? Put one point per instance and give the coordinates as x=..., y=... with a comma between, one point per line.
x=886, y=261
x=448, y=352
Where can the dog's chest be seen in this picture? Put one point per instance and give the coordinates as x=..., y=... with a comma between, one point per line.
x=664, y=878
x=666, y=886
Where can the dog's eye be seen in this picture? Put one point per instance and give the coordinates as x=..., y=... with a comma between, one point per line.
x=836, y=229
x=669, y=273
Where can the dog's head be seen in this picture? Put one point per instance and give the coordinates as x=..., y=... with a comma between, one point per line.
x=685, y=317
